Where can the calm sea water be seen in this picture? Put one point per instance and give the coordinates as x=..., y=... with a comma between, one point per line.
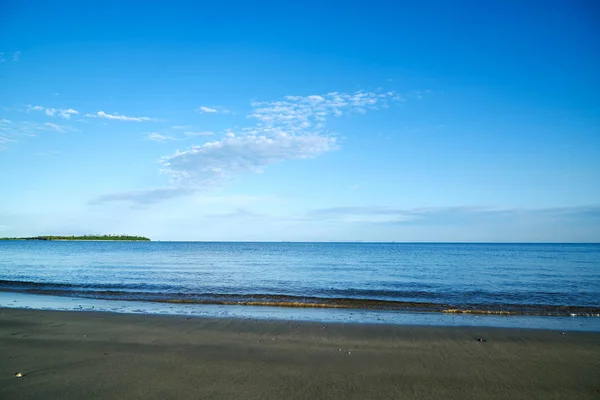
x=531, y=279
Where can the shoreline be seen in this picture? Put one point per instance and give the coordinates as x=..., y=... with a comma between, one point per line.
x=295, y=301
x=25, y=301
x=75, y=355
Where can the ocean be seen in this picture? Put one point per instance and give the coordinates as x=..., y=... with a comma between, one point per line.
x=369, y=279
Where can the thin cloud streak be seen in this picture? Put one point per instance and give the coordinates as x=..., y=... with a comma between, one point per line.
x=141, y=197
x=4, y=141
x=213, y=110
x=118, y=117
x=157, y=137
x=445, y=215
x=206, y=133
x=53, y=127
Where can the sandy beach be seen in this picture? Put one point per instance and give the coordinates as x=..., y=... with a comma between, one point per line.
x=77, y=355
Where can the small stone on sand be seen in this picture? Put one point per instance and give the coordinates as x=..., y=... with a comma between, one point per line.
x=19, y=375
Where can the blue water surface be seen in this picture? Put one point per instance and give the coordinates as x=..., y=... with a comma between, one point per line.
x=497, y=276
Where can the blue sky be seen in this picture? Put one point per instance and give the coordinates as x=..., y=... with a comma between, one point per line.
x=309, y=121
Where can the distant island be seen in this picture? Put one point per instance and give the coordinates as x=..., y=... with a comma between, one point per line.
x=85, y=237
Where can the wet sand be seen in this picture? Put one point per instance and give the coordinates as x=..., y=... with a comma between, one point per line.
x=86, y=355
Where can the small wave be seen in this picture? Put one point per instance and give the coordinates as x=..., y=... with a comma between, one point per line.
x=484, y=312
x=5, y=284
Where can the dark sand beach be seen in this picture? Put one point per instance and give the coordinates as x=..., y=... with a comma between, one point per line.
x=87, y=355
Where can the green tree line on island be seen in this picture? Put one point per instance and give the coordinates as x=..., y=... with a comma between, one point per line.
x=84, y=237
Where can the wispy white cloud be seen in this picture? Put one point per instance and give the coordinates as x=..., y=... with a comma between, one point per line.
x=117, y=117
x=157, y=137
x=286, y=129
x=213, y=110
x=4, y=141
x=181, y=127
x=299, y=113
x=15, y=131
x=207, y=109
x=142, y=197
x=205, y=133
x=53, y=127
x=11, y=132
x=62, y=112
x=67, y=113
x=462, y=215
x=211, y=163
x=236, y=215
x=376, y=214
x=237, y=201
x=291, y=128
x=16, y=56
x=156, y=195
